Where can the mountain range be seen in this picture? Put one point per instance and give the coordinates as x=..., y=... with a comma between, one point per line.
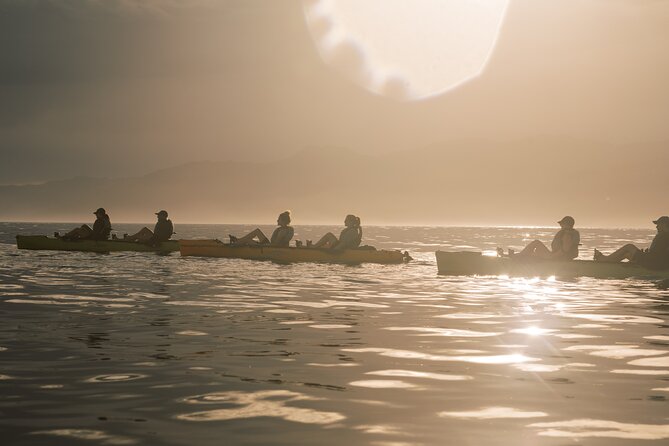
x=469, y=182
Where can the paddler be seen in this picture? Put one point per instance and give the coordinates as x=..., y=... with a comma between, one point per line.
x=349, y=238
x=655, y=257
x=280, y=237
x=563, y=247
x=101, y=228
x=162, y=231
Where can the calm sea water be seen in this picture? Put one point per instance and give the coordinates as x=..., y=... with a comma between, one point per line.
x=132, y=348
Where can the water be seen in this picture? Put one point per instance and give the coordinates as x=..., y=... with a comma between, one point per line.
x=132, y=348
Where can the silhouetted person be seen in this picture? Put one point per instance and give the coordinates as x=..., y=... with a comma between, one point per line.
x=563, y=247
x=656, y=256
x=101, y=229
x=349, y=238
x=280, y=237
x=162, y=232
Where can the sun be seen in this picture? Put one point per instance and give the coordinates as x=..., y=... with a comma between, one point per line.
x=405, y=49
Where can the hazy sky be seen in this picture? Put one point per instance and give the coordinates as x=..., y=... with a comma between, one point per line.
x=122, y=87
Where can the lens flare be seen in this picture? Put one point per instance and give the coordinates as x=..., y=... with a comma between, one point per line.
x=406, y=50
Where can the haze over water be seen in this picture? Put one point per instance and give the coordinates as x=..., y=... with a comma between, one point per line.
x=422, y=112
x=131, y=348
x=419, y=114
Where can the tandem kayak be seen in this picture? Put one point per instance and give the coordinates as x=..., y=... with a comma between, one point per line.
x=474, y=263
x=42, y=242
x=216, y=248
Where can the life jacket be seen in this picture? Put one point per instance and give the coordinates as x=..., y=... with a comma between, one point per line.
x=350, y=238
x=657, y=256
x=557, y=245
x=101, y=228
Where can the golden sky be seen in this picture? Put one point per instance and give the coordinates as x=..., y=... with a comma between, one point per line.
x=123, y=88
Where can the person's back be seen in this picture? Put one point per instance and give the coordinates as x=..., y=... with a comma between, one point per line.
x=282, y=236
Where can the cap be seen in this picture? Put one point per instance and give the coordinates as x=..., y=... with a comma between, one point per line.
x=100, y=211
x=568, y=220
x=162, y=212
x=664, y=219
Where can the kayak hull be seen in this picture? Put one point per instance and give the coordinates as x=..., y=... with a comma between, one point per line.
x=42, y=242
x=474, y=263
x=216, y=248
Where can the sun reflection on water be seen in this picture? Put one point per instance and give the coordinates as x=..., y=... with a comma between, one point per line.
x=260, y=353
x=271, y=403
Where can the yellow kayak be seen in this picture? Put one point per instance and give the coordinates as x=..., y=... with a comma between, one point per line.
x=42, y=242
x=474, y=263
x=216, y=248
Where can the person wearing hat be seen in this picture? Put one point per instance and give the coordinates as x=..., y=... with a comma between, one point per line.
x=101, y=228
x=162, y=232
x=563, y=247
x=656, y=256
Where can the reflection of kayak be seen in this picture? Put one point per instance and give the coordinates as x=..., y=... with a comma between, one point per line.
x=42, y=242
x=474, y=263
x=216, y=248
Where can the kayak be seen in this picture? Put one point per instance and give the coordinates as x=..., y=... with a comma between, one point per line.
x=474, y=263
x=42, y=242
x=216, y=248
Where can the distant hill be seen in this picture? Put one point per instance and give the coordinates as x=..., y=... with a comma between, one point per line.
x=460, y=183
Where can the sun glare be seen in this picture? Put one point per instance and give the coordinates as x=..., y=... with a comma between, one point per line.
x=406, y=49
x=533, y=331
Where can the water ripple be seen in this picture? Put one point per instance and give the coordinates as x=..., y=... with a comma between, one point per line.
x=142, y=346
x=271, y=403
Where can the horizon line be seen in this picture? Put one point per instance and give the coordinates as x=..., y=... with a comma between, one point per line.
x=377, y=225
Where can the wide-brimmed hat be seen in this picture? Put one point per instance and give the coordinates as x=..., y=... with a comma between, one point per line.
x=162, y=212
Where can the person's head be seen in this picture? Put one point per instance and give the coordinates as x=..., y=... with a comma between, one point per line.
x=162, y=215
x=662, y=224
x=284, y=219
x=100, y=213
x=567, y=222
x=351, y=221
